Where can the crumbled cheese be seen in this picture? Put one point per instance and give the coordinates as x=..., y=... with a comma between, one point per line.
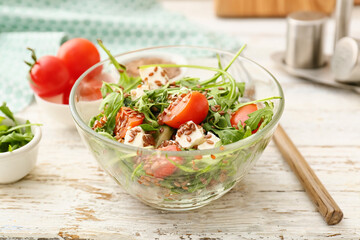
x=210, y=141
x=154, y=77
x=135, y=137
x=189, y=135
x=138, y=92
x=184, y=90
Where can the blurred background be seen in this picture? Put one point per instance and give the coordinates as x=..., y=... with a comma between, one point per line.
x=127, y=25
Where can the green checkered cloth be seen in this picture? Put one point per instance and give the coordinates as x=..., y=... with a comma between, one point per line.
x=123, y=25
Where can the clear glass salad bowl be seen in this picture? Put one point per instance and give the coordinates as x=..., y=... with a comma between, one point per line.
x=204, y=175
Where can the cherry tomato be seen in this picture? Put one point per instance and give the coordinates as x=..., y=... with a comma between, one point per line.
x=79, y=54
x=125, y=119
x=162, y=167
x=242, y=114
x=194, y=108
x=89, y=89
x=66, y=93
x=49, y=76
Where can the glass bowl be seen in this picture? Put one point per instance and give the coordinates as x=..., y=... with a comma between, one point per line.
x=204, y=175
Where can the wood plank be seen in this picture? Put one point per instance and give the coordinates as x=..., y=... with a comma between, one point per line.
x=63, y=200
x=270, y=8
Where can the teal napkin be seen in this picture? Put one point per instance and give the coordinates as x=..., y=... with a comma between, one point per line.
x=122, y=25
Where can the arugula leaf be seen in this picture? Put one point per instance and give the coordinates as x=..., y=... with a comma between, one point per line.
x=4, y=108
x=255, y=101
x=227, y=135
x=263, y=114
x=148, y=127
x=3, y=129
x=231, y=95
x=126, y=82
x=138, y=171
x=13, y=137
x=217, y=75
x=189, y=82
x=241, y=87
x=111, y=106
x=105, y=134
x=10, y=148
x=26, y=126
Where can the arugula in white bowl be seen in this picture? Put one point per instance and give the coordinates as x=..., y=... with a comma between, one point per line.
x=13, y=135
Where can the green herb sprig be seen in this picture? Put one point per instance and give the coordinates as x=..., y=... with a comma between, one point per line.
x=13, y=136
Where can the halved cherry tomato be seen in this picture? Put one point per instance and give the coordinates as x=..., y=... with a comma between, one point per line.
x=162, y=167
x=79, y=54
x=125, y=119
x=242, y=114
x=48, y=76
x=195, y=108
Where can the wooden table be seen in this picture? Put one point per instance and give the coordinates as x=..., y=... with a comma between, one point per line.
x=67, y=196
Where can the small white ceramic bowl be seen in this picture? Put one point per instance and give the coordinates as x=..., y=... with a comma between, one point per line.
x=17, y=164
x=53, y=108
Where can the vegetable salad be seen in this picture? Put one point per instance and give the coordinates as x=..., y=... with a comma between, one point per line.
x=187, y=114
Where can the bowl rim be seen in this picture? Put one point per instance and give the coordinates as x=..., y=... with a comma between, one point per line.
x=221, y=149
x=27, y=147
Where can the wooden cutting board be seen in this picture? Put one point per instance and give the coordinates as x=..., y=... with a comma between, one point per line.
x=271, y=8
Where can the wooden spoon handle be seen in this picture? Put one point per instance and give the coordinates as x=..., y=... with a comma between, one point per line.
x=326, y=205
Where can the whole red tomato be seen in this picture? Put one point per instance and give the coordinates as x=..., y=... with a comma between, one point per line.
x=79, y=54
x=49, y=75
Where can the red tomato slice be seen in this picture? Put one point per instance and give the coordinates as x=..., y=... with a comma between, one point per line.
x=126, y=118
x=195, y=108
x=242, y=115
x=162, y=167
x=49, y=76
x=79, y=54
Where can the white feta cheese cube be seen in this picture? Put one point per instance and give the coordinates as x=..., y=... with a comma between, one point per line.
x=154, y=77
x=138, y=92
x=135, y=137
x=210, y=141
x=189, y=135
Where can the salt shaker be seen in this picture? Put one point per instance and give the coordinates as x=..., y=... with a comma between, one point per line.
x=342, y=19
x=304, y=45
x=345, y=62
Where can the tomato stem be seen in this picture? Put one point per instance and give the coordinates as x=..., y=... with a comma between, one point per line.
x=33, y=57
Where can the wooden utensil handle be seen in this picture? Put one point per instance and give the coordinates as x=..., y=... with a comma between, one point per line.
x=326, y=205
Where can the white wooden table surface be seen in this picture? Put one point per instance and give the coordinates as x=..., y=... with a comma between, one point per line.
x=67, y=196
